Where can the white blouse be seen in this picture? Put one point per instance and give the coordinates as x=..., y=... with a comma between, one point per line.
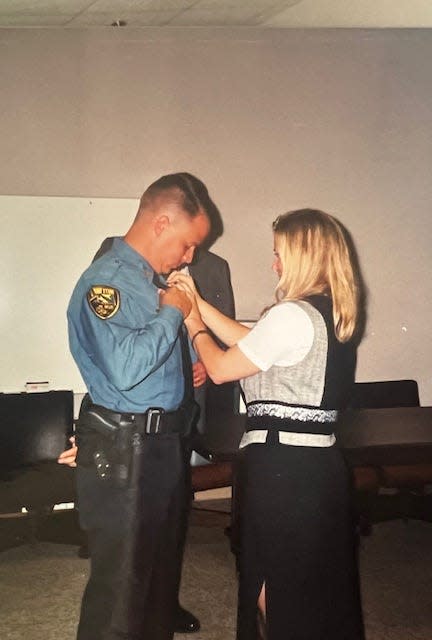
x=282, y=337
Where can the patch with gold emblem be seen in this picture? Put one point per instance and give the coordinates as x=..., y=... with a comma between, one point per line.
x=104, y=301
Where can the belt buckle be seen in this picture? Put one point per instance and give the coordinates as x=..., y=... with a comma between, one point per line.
x=153, y=419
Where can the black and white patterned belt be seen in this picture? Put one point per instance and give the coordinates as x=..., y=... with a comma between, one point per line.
x=294, y=425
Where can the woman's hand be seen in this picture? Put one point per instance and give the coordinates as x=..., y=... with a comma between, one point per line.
x=193, y=321
x=183, y=282
x=69, y=456
x=186, y=285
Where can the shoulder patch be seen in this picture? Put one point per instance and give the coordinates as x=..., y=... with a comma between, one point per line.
x=104, y=301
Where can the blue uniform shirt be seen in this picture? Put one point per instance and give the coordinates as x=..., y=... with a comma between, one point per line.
x=126, y=348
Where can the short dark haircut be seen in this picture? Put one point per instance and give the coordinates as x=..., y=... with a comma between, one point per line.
x=183, y=189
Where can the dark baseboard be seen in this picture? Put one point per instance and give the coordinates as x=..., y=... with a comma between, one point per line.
x=60, y=527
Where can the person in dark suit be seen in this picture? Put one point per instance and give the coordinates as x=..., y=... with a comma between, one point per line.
x=212, y=277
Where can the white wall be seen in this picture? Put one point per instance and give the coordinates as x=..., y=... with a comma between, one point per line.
x=270, y=119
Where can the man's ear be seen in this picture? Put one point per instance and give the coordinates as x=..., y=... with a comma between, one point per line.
x=161, y=223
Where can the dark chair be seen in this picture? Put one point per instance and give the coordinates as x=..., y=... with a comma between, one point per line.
x=387, y=393
x=215, y=475
x=34, y=429
x=406, y=482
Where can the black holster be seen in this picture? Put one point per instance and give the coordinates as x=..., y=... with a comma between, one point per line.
x=105, y=447
x=106, y=439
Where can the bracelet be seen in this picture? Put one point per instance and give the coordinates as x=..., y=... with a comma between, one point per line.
x=197, y=334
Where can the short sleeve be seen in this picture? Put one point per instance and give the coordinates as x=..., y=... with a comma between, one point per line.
x=282, y=337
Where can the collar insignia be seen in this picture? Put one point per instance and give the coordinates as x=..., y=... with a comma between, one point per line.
x=104, y=301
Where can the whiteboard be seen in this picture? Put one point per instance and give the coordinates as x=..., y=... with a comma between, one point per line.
x=45, y=245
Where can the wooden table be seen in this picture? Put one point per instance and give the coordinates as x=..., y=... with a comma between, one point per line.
x=401, y=435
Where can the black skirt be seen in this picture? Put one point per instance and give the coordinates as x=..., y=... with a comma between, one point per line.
x=298, y=537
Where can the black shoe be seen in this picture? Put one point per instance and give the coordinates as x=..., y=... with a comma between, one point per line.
x=185, y=621
x=83, y=551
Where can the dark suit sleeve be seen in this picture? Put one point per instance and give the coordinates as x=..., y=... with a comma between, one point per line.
x=212, y=277
x=226, y=300
x=105, y=246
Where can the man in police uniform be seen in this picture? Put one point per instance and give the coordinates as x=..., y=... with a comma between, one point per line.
x=132, y=477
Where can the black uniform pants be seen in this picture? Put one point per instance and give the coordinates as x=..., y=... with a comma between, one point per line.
x=136, y=535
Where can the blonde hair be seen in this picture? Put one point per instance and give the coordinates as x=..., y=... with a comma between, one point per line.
x=317, y=257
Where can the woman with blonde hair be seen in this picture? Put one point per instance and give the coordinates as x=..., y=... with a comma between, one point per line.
x=296, y=365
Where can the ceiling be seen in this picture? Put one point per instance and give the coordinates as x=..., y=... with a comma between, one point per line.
x=216, y=13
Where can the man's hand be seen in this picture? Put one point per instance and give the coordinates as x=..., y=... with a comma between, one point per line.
x=176, y=298
x=69, y=456
x=199, y=373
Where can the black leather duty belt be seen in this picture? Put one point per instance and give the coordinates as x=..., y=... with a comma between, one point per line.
x=153, y=421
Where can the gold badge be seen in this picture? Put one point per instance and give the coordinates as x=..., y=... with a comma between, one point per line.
x=104, y=301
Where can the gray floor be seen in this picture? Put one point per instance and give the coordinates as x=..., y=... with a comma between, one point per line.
x=41, y=585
